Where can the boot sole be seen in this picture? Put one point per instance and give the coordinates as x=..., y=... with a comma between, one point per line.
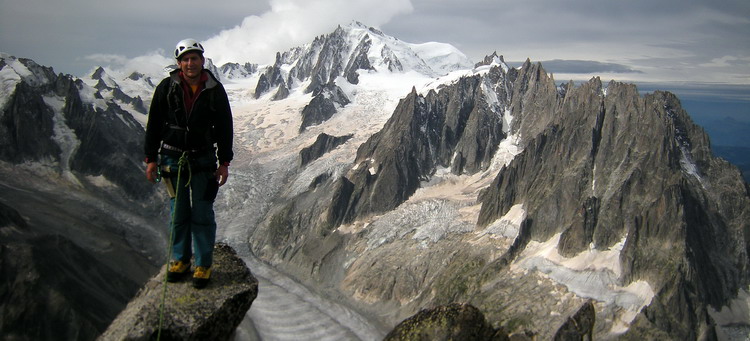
x=176, y=276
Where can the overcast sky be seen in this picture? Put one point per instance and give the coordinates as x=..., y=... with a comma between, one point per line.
x=629, y=40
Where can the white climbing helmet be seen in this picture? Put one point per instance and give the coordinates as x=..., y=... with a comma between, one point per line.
x=187, y=45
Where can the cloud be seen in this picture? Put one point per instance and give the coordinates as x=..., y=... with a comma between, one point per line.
x=151, y=64
x=727, y=61
x=659, y=40
x=585, y=67
x=291, y=23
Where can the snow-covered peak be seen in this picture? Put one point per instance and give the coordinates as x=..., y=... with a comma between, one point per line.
x=102, y=78
x=131, y=91
x=352, y=51
x=443, y=58
x=237, y=71
x=9, y=78
x=131, y=83
x=431, y=59
x=15, y=70
x=358, y=47
x=25, y=69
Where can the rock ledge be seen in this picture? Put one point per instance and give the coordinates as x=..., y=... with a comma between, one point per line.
x=213, y=312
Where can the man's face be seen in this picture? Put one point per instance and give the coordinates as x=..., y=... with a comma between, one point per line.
x=191, y=64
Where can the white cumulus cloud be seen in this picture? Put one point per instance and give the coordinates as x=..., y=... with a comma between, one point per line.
x=151, y=64
x=291, y=23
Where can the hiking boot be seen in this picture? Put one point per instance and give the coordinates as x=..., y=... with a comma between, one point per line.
x=177, y=270
x=201, y=276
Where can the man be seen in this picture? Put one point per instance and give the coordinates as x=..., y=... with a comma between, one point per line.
x=189, y=130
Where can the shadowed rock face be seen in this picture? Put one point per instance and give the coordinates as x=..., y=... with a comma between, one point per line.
x=323, y=144
x=323, y=105
x=211, y=313
x=327, y=58
x=579, y=326
x=109, y=140
x=456, y=127
x=72, y=250
x=620, y=164
x=53, y=289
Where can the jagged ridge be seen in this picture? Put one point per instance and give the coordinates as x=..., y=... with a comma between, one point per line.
x=599, y=165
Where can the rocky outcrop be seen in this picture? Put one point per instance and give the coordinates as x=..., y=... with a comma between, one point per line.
x=579, y=326
x=213, y=69
x=457, y=127
x=461, y=321
x=104, y=83
x=26, y=114
x=269, y=79
x=212, y=313
x=328, y=53
x=135, y=76
x=323, y=105
x=452, y=322
x=281, y=93
x=636, y=167
x=323, y=144
x=345, y=52
x=488, y=60
x=334, y=55
x=46, y=119
x=235, y=70
x=136, y=102
x=110, y=141
x=358, y=61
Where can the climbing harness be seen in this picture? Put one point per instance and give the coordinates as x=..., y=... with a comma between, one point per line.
x=183, y=161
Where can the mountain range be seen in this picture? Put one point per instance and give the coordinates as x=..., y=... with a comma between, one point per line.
x=390, y=177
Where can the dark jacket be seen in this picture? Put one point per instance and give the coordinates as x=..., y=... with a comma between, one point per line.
x=208, y=123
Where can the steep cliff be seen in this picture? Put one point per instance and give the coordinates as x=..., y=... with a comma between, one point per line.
x=620, y=166
x=541, y=177
x=81, y=228
x=213, y=312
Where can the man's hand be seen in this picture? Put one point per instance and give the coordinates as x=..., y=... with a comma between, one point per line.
x=222, y=174
x=151, y=172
